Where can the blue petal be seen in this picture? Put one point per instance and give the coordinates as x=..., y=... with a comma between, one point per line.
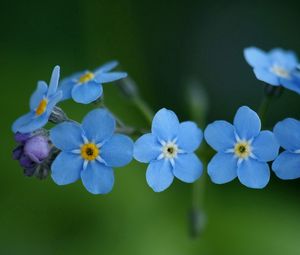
x=67, y=84
x=66, y=168
x=287, y=166
x=189, y=136
x=254, y=174
x=54, y=81
x=188, y=168
x=117, y=151
x=267, y=76
x=87, y=93
x=98, y=125
x=67, y=136
x=220, y=135
x=21, y=121
x=165, y=125
x=38, y=95
x=30, y=122
x=107, y=67
x=97, y=178
x=109, y=77
x=292, y=84
x=287, y=132
x=247, y=123
x=265, y=146
x=286, y=59
x=222, y=168
x=256, y=57
x=159, y=175
x=146, y=148
x=54, y=100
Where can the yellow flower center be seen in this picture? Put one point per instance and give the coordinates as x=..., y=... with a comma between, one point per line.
x=42, y=107
x=86, y=77
x=242, y=149
x=281, y=72
x=89, y=151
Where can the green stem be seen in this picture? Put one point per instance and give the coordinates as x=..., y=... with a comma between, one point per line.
x=263, y=108
x=144, y=108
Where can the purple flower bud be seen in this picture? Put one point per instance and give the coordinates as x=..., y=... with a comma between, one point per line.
x=37, y=148
x=26, y=162
x=17, y=152
x=22, y=138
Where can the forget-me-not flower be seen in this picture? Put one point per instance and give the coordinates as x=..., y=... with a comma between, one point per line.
x=242, y=150
x=89, y=151
x=169, y=150
x=287, y=165
x=277, y=67
x=42, y=103
x=86, y=87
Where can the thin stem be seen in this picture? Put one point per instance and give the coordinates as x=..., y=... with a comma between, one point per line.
x=263, y=108
x=144, y=108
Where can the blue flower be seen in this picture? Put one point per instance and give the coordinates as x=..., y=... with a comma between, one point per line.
x=89, y=151
x=242, y=150
x=169, y=150
x=277, y=67
x=86, y=87
x=287, y=164
x=42, y=103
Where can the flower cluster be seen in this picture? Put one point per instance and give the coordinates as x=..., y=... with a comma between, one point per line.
x=89, y=151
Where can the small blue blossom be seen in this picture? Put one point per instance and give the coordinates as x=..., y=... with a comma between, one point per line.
x=42, y=103
x=242, y=150
x=287, y=164
x=86, y=87
x=277, y=67
x=89, y=151
x=169, y=150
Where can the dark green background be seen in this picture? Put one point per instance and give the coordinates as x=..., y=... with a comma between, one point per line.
x=162, y=45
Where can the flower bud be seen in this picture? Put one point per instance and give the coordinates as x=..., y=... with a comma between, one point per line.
x=37, y=148
x=22, y=138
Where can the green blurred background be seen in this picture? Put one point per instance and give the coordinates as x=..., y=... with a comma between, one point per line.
x=163, y=45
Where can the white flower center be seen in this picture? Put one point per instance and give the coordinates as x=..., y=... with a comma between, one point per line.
x=280, y=71
x=170, y=150
x=242, y=149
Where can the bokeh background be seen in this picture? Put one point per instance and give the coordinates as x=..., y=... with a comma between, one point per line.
x=164, y=46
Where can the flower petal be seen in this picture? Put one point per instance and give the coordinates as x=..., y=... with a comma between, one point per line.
x=165, y=125
x=159, y=175
x=265, y=146
x=287, y=132
x=54, y=99
x=247, y=123
x=189, y=136
x=264, y=74
x=87, y=93
x=97, y=178
x=117, y=151
x=67, y=136
x=188, y=167
x=109, y=77
x=67, y=84
x=291, y=84
x=66, y=168
x=107, y=67
x=98, y=125
x=284, y=58
x=146, y=148
x=222, y=168
x=256, y=57
x=254, y=174
x=38, y=95
x=287, y=166
x=30, y=122
x=220, y=135
x=53, y=81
